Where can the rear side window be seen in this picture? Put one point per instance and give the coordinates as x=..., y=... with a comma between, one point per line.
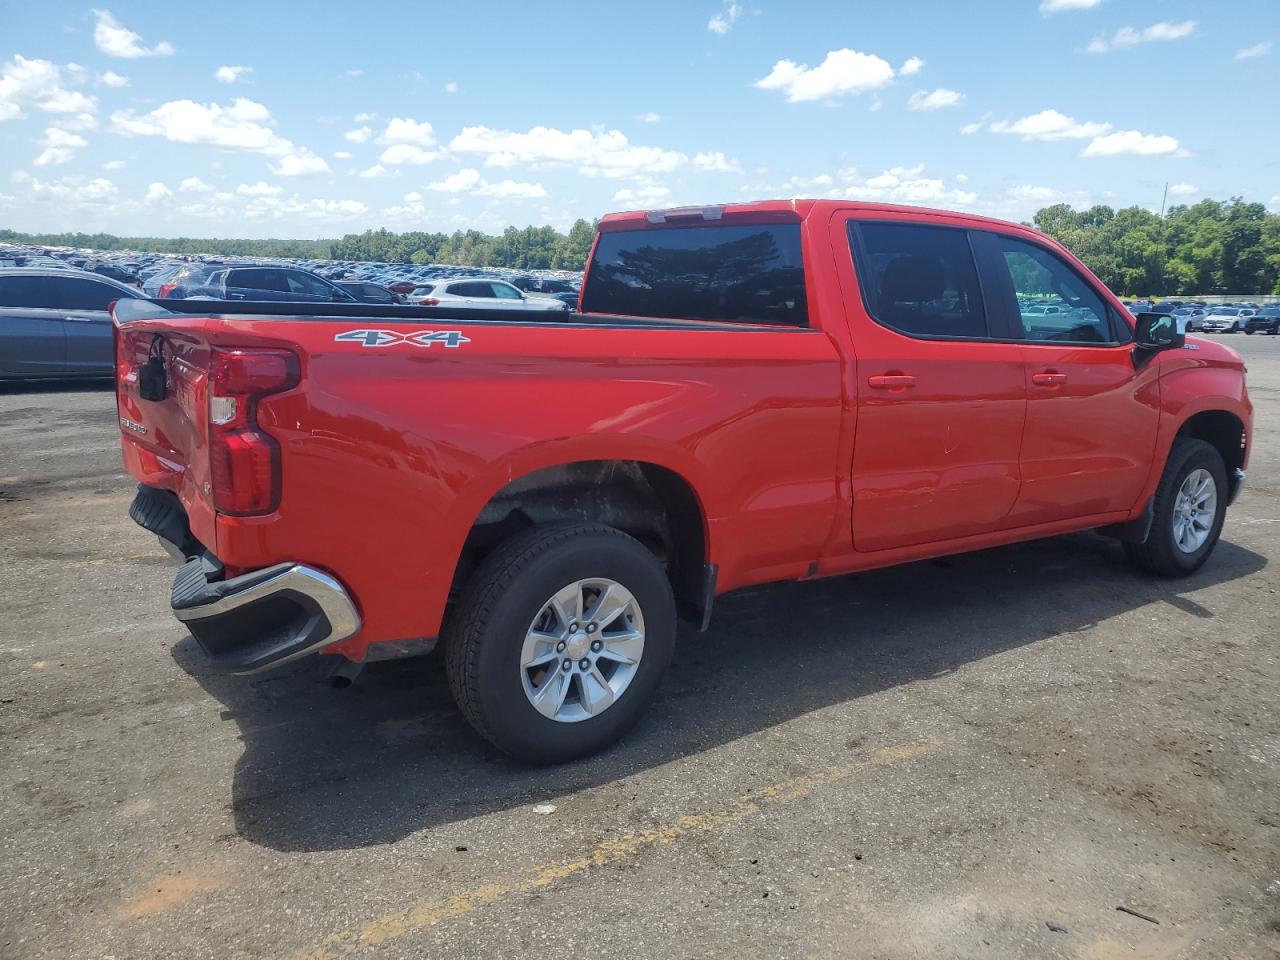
x=744, y=274
x=504, y=292
x=23, y=292
x=919, y=280
x=1054, y=302
x=471, y=288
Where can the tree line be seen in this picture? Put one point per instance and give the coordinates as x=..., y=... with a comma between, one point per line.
x=1205, y=248
x=1208, y=247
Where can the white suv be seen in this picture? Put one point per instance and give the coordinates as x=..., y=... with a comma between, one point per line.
x=486, y=294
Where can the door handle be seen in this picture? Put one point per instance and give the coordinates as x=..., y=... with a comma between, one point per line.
x=1049, y=378
x=891, y=381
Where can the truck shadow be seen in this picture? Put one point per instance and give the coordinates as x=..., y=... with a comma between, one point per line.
x=326, y=769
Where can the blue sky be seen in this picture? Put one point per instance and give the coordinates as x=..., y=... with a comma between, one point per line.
x=250, y=119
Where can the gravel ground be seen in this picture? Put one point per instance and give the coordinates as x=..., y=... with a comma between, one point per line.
x=836, y=769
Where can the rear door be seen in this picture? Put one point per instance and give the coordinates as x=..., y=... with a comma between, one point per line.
x=83, y=303
x=32, y=337
x=941, y=392
x=1091, y=413
x=474, y=293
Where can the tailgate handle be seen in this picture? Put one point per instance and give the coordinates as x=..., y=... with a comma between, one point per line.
x=151, y=378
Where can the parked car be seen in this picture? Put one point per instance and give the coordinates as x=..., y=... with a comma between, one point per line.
x=489, y=294
x=1266, y=320
x=1223, y=320
x=55, y=324
x=548, y=497
x=367, y=292
x=562, y=290
x=1191, y=318
x=268, y=284
x=180, y=282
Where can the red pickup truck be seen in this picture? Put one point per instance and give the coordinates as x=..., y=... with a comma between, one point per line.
x=750, y=393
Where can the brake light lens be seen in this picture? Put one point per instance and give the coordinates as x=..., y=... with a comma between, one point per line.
x=429, y=302
x=244, y=459
x=166, y=289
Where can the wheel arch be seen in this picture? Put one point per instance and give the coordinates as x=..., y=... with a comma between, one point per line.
x=648, y=498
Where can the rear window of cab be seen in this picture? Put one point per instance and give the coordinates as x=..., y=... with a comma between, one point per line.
x=726, y=273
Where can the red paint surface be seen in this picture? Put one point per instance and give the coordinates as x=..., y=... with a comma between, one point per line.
x=799, y=464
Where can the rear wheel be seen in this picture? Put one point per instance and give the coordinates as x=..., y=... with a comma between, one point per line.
x=560, y=640
x=1188, y=511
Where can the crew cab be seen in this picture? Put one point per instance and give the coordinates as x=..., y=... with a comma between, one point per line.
x=757, y=392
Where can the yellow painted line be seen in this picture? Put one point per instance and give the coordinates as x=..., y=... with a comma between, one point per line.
x=429, y=913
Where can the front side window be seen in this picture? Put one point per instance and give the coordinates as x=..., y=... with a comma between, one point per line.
x=308, y=286
x=257, y=279
x=1054, y=301
x=728, y=273
x=919, y=280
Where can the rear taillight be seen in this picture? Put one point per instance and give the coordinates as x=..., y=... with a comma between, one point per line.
x=244, y=459
x=429, y=302
x=166, y=290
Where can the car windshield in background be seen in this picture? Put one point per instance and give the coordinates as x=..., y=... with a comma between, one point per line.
x=743, y=274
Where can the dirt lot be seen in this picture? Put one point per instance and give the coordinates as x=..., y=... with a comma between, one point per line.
x=978, y=757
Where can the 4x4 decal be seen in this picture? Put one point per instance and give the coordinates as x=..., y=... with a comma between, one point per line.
x=387, y=338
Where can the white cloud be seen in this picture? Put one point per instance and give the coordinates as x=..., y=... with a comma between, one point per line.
x=1130, y=37
x=69, y=190
x=342, y=155
x=935, y=99
x=1184, y=189
x=912, y=66
x=354, y=72
x=377, y=170
x=722, y=22
x=259, y=189
x=39, y=85
x=75, y=121
x=231, y=74
x=649, y=117
x=59, y=147
x=358, y=135
x=1257, y=50
x=244, y=125
x=716, y=162
x=843, y=72
x=1057, y=6
x=1050, y=125
x=194, y=185
x=605, y=153
x=646, y=196
x=303, y=163
x=112, y=79
x=114, y=165
x=1131, y=141
x=905, y=185
x=402, y=154
x=405, y=130
x=363, y=117
x=975, y=126
x=157, y=191
x=451, y=87
x=469, y=180
x=117, y=41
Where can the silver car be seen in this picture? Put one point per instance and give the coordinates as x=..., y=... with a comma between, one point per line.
x=54, y=323
x=1225, y=319
x=481, y=293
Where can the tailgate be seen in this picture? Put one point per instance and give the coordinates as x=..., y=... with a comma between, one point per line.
x=165, y=439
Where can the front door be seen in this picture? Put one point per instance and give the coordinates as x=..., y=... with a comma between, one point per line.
x=1092, y=415
x=87, y=324
x=941, y=399
x=32, y=341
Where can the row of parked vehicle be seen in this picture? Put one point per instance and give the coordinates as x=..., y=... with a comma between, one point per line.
x=1198, y=316
x=54, y=320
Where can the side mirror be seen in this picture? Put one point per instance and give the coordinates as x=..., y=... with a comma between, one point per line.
x=1158, y=331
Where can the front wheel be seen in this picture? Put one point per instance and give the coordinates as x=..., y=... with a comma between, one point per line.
x=559, y=641
x=1188, y=510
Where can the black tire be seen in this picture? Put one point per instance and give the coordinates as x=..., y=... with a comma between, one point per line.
x=1160, y=554
x=487, y=630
